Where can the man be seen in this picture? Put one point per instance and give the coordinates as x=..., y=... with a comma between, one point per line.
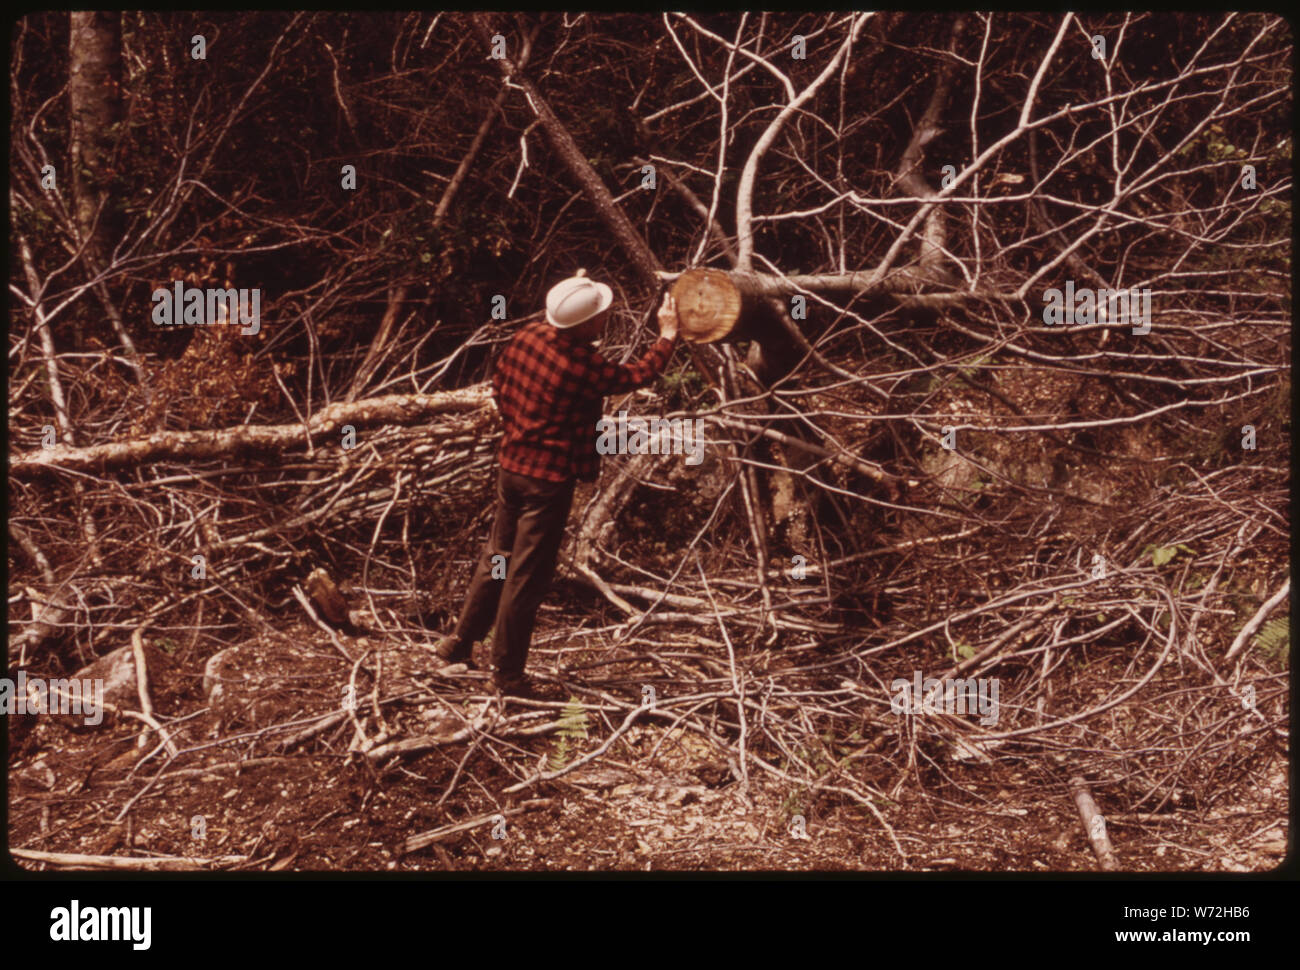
x=549, y=385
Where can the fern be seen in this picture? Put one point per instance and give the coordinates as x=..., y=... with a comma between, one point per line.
x=1274, y=638
x=559, y=755
x=573, y=728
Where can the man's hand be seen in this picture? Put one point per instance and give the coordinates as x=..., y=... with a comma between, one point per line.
x=668, y=317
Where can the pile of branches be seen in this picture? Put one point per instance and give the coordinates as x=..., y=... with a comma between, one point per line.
x=1093, y=654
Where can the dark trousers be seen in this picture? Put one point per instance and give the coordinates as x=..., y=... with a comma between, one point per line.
x=527, y=532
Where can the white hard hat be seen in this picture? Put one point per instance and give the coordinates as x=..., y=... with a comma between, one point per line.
x=576, y=300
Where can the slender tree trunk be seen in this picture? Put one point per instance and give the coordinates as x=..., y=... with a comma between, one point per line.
x=638, y=251
x=95, y=103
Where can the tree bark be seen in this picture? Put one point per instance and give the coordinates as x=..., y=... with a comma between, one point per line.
x=934, y=234
x=715, y=306
x=906, y=282
x=95, y=106
x=171, y=445
x=643, y=259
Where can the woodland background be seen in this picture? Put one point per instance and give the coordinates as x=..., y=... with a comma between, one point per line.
x=1104, y=539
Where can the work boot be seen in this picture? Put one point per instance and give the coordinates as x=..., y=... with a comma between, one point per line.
x=522, y=687
x=452, y=650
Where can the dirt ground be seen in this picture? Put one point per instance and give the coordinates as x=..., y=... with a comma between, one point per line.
x=238, y=797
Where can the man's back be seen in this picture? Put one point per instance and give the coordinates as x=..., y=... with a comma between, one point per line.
x=549, y=389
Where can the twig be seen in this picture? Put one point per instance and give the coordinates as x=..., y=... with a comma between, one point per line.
x=417, y=842
x=735, y=682
x=1255, y=621
x=142, y=686
x=73, y=860
x=1094, y=823
x=334, y=637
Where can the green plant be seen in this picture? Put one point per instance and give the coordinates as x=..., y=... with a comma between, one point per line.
x=1164, y=554
x=682, y=385
x=1214, y=144
x=677, y=379
x=974, y=366
x=572, y=728
x=792, y=806
x=823, y=760
x=1274, y=638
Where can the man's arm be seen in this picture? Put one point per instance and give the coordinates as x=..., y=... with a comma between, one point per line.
x=610, y=378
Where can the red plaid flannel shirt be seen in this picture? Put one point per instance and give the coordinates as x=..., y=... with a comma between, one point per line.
x=550, y=390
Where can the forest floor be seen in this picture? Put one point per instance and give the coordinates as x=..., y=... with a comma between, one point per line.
x=659, y=799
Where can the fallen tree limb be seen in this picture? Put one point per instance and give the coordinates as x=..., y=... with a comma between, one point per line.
x=223, y=767
x=172, y=445
x=427, y=742
x=934, y=235
x=142, y=687
x=905, y=281
x=424, y=839
x=574, y=158
x=874, y=472
x=73, y=860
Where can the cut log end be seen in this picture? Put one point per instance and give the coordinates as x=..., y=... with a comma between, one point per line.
x=709, y=305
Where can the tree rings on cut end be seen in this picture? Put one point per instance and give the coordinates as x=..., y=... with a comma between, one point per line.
x=708, y=305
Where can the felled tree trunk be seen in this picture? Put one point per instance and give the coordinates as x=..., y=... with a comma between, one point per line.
x=720, y=307
x=715, y=306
